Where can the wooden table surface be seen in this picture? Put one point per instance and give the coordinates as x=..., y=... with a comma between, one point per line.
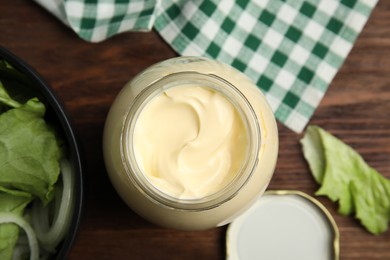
x=87, y=77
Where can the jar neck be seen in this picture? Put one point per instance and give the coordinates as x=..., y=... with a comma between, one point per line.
x=243, y=107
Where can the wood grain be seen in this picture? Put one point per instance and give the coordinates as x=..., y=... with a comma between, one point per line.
x=88, y=76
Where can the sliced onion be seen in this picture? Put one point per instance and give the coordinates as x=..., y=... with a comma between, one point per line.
x=22, y=247
x=7, y=217
x=51, y=236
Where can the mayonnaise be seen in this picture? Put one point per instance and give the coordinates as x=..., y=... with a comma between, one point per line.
x=190, y=141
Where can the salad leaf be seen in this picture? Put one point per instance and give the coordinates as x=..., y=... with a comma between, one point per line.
x=5, y=99
x=14, y=202
x=29, y=153
x=311, y=144
x=345, y=177
x=20, y=89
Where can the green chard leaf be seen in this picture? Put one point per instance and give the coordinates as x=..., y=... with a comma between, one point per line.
x=345, y=177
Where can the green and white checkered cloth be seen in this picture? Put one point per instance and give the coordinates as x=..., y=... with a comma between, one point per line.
x=291, y=49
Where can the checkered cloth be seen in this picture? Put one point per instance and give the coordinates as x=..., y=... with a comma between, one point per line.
x=291, y=49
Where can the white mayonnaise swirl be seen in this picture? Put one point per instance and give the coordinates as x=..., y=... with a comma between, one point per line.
x=190, y=141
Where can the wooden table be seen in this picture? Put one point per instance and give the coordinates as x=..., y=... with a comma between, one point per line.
x=88, y=76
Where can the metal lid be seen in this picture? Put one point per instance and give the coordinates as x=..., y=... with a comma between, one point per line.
x=284, y=225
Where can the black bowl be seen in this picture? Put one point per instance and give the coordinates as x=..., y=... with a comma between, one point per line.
x=57, y=115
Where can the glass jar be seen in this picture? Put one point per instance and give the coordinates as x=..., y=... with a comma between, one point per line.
x=220, y=207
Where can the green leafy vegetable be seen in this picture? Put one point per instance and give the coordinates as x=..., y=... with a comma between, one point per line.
x=13, y=202
x=29, y=157
x=345, y=177
x=29, y=151
x=5, y=99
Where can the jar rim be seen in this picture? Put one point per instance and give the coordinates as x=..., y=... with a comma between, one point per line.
x=238, y=100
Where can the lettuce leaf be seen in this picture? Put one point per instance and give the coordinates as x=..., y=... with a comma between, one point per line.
x=29, y=152
x=14, y=202
x=312, y=149
x=345, y=177
x=5, y=99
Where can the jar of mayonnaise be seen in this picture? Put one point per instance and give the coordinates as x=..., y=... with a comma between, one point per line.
x=190, y=143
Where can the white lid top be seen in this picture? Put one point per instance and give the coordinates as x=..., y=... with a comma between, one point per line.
x=284, y=225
